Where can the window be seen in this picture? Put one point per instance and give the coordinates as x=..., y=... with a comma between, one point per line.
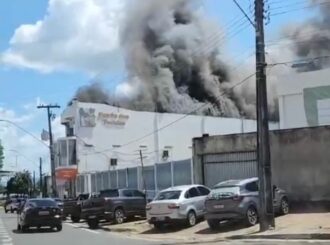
x=191, y=193
x=41, y=203
x=137, y=193
x=253, y=186
x=109, y=193
x=168, y=195
x=203, y=191
x=127, y=193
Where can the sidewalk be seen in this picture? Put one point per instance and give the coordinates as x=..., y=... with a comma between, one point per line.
x=292, y=226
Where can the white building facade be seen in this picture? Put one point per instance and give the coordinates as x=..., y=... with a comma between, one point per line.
x=304, y=99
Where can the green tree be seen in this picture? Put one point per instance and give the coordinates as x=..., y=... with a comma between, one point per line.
x=20, y=183
x=2, y=157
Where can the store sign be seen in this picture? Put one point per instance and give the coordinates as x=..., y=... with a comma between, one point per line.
x=113, y=119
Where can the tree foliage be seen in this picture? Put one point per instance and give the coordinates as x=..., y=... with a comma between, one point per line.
x=20, y=183
x=2, y=156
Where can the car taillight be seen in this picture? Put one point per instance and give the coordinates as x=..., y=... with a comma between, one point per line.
x=148, y=207
x=237, y=198
x=173, y=206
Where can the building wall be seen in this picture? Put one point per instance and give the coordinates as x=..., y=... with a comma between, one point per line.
x=293, y=106
x=97, y=133
x=299, y=158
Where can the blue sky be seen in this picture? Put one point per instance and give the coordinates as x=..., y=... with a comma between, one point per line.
x=20, y=87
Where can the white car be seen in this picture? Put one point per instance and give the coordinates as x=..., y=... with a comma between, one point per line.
x=184, y=203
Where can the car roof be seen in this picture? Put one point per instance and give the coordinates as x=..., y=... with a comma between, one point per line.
x=236, y=182
x=41, y=199
x=180, y=187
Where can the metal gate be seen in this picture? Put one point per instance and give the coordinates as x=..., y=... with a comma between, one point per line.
x=225, y=166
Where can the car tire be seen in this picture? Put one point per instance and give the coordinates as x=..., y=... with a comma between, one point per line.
x=284, y=206
x=158, y=225
x=6, y=211
x=214, y=224
x=251, y=218
x=19, y=227
x=191, y=218
x=75, y=219
x=24, y=228
x=119, y=216
x=93, y=223
x=11, y=210
x=59, y=228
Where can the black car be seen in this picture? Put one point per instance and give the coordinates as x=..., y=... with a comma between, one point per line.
x=39, y=212
x=72, y=207
x=113, y=205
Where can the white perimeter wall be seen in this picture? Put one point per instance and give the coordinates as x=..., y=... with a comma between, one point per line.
x=177, y=137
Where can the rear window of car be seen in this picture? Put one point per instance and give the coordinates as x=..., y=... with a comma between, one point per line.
x=109, y=193
x=168, y=195
x=42, y=203
x=225, y=191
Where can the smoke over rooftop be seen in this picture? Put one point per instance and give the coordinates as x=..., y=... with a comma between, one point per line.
x=174, y=63
x=312, y=38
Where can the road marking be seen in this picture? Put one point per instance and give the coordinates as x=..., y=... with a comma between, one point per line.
x=82, y=228
x=5, y=239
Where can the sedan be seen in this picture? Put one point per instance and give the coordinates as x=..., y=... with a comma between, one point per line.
x=177, y=204
x=39, y=212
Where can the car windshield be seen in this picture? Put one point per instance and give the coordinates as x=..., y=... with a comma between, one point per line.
x=42, y=203
x=224, y=191
x=109, y=193
x=168, y=195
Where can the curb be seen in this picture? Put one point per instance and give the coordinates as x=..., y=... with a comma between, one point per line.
x=314, y=236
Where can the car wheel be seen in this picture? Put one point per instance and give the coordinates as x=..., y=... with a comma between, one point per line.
x=93, y=223
x=59, y=227
x=24, y=228
x=119, y=216
x=251, y=216
x=158, y=226
x=75, y=219
x=11, y=210
x=191, y=218
x=284, y=209
x=6, y=211
x=18, y=227
x=214, y=224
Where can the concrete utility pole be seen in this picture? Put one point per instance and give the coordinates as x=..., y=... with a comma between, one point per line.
x=143, y=177
x=40, y=175
x=266, y=214
x=34, y=181
x=52, y=158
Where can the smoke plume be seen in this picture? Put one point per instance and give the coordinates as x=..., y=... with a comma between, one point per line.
x=312, y=38
x=174, y=63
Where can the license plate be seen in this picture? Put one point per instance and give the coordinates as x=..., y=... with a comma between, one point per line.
x=160, y=218
x=92, y=217
x=43, y=212
x=219, y=206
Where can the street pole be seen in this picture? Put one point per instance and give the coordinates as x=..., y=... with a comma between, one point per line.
x=40, y=175
x=34, y=181
x=52, y=158
x=266, y=214
x=143, y=177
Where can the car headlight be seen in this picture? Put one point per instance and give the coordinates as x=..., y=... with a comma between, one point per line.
x=57, y=216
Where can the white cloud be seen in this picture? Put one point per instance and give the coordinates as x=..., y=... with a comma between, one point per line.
x=73, y=35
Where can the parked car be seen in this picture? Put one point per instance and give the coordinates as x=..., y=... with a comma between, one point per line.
x=72, y=207
x=39, y=212
x=177, y=204
x=12, y=205
x=239, y=200
x=113, y=205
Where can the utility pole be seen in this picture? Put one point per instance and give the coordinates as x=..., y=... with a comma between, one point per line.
x=52, y=158
x=143, y=177
x=266, y=214
x=34, y=181
x=40, y=175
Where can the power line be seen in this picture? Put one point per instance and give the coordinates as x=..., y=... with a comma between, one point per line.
x=244, y=13
x=181, y=118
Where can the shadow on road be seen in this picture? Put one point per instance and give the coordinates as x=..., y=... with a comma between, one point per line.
x=33, y=231
x=224, y=227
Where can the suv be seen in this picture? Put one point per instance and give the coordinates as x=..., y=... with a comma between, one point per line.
x=113, y=204
x=239, y=200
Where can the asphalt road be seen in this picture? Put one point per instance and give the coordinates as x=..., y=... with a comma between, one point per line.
x=80, y=234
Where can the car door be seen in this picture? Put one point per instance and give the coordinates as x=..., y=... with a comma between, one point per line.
x=128, y=201
x=139, y=202
x=193, y=200
x=203, y=192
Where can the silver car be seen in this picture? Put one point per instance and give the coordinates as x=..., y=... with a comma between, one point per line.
x=239, y=200
x=178, y=204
